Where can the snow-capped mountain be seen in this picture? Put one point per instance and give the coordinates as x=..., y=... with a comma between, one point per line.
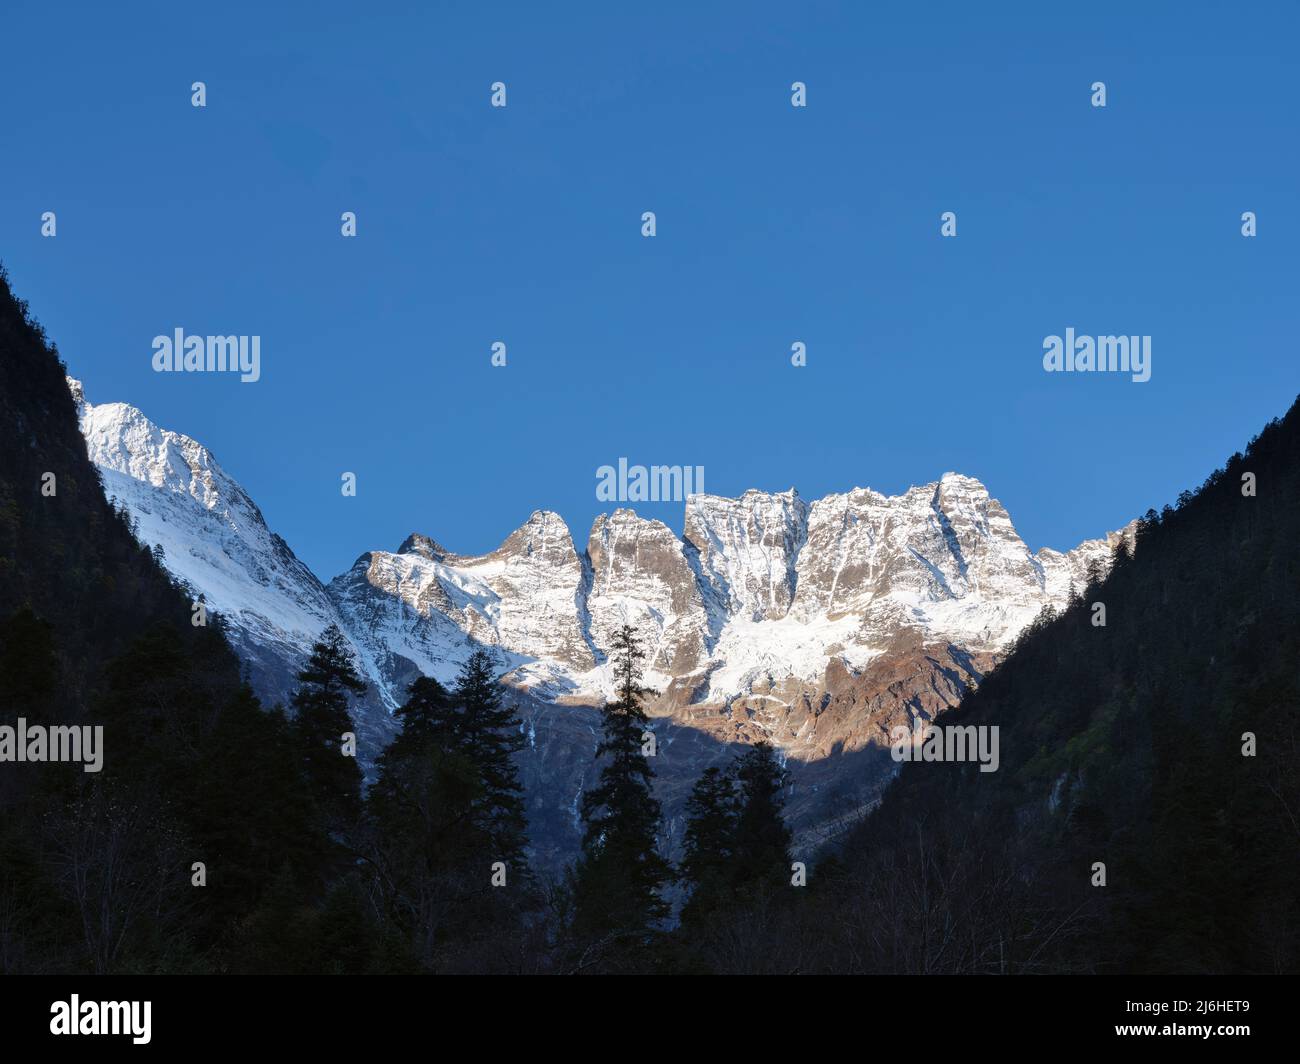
x=815, y=625
x=760, y=589
x=213, y=540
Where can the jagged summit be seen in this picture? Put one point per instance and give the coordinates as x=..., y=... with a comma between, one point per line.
x=759, y=591
x=416, y=543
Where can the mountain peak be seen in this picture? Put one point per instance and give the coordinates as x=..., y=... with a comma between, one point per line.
x=417, y=543
x=546, y=519
x=626, y=517
x=544, y=528
x=961, y=480
x=122, y=439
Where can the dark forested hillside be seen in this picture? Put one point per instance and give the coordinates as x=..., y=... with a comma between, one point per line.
x=62, y=548
x=216, y=835
x=97, y=869
x=1164, y=746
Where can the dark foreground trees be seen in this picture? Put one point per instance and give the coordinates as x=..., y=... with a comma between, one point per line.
x=321, y=718
x=737, y=844
x=446, y=832
x=620, y=878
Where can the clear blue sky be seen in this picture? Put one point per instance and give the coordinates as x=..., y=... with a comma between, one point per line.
x=775, y=225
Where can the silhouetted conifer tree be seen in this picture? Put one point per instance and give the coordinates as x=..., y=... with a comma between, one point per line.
x=708, y=844
x=321, y=719
x=488, y=733
x=761, y=840
x=620, y=875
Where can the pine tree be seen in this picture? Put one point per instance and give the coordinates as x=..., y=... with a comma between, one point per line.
x=708, y=843
x=620, y=874
x=405, y=767
x=321, y=719
x=427, y=717
x=421, y=838
x=252, y=812
x=489, y=735
x=762, y=840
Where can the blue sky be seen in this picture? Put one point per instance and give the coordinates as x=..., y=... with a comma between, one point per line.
x=775, y=224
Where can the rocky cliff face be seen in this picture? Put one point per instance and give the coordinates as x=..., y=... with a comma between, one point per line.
x=816, y=626
x=748, y=549
x=643, y=575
